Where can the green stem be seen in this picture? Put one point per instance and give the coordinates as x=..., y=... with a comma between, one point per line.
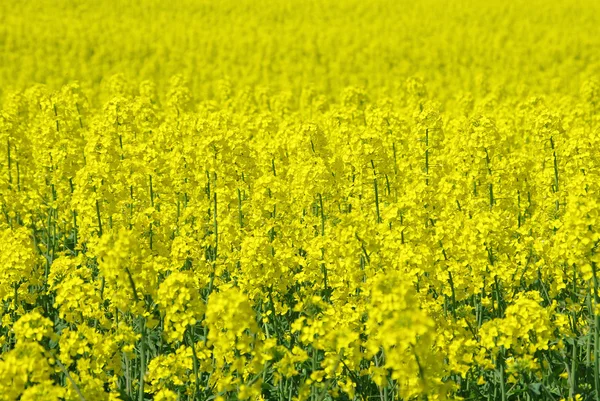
x=142, y=360
x=216, y=227
x=9, y=163
x=196, y=368
x=555, y=165
x=427, y=156
x=240, y=213
x=66, y=372
x=322, y=215
x=376, y=188
x=502, y=378
x=99, y=219
x=596, y=335
x=573, y=381
x=132, y=283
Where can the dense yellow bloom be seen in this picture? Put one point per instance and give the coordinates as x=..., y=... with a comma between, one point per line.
x=299, y=200
x=26, y=366
x=231, y=324
x=19, y=265
x=178, y=297
x=526, y=328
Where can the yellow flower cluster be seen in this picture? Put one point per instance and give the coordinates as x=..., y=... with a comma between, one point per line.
x=299, y=200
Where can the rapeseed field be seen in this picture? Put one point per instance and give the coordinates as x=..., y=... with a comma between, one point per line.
x=299, y=200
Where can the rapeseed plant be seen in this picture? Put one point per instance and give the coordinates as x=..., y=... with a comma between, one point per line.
x=299, y=200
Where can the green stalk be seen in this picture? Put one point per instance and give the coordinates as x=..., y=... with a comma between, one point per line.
x=216, y=226
x=323, y=267
x=387, y=185
x=573, y=378
x=9, y=163
x=519, y=208
x=453, y=294
x=151, y=204
x=142, y=361
x=322, y=215
x=99, y=219
x=151, y=190
x=196, y=368
x=56, y=115
x=275, y=323
x=427, y=156
x=574, y=360
x=588, y=353
x=132, y=283
x=376, y=192
x=66, y=372
x=502, y=379
x=596, y=335
x=209, y=291
x=240, y=213
x=313, y=395
x=74, y=216
x=127, y=374
x=79, y=115
x=555, y=165
x=377, y=200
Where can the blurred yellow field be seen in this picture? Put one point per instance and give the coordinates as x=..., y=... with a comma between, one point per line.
x=299, y=200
